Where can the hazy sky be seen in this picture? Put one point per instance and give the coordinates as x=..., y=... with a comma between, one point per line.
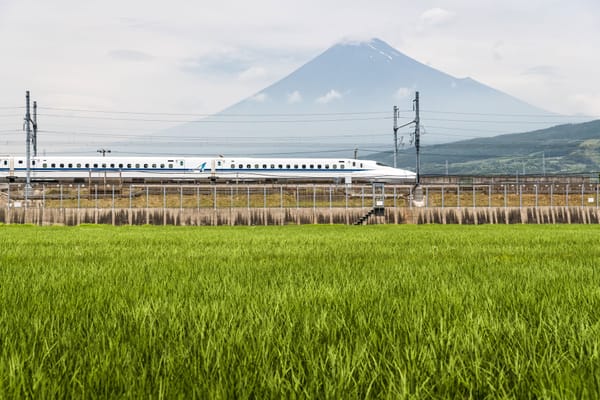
x=198, y=57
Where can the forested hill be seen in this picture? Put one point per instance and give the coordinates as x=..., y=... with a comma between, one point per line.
x=570, y=148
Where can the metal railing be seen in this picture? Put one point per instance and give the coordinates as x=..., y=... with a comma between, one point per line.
x=100, y=196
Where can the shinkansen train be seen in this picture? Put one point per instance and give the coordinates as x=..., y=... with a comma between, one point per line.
x=164, y=168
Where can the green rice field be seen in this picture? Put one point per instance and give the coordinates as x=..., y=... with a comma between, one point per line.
x=323, y=312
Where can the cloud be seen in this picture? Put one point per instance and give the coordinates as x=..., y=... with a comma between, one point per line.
x=403, y=93
x=260, y=97
x=294, y=97
x=542, y=70
x=329, y=97
x=130, y=55
x=435, y=17
x=252, y=74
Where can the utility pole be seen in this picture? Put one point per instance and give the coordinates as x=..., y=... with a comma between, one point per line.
x=395, y=136
x=27, y=147
x=35, y=128
x=356, y=153
x=417, y=136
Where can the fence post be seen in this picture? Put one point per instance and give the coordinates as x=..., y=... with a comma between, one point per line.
x=78, y=197
x=314, y=197
x=582, y=189
x=264, y=197
x=248, y=196
x=520, y=196
x=536, y=195
x=426, y=196
x=198, y=197
x=297, y=197
x=551, y=194
x=214, y=197
x=442, y=196
x=147, y=198
x=61, y=196
x=505, y=199
x=567, y=194
x=130, y=196
x=280, y=196
x=113, y=197
x=164, y=197
x=489, y=196
x=330, y=199
x=96, y=194
x=180, y=198
x=474, y=200
x=458, y=196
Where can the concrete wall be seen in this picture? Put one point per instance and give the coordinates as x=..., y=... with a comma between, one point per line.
x=293, y=216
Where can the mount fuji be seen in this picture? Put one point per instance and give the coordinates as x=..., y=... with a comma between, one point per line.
x=343, y=100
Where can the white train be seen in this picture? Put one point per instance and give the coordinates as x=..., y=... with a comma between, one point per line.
x=164, y=168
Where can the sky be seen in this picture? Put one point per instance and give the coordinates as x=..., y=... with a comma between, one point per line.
x=198, y=57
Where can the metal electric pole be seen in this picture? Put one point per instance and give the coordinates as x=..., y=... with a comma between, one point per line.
x=35, y=128
x=417, y=136
x=395, y=136
x=27, y=147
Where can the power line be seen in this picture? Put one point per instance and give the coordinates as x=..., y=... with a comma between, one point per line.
x=208, y=121
x=216, y=115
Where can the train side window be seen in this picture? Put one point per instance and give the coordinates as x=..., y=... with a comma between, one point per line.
x=70, y=165
x=272, y=166
x=170, y=165
x=87, y=165
x=334, y=166
x=326, y=166
x=33, y=162
x=288, y=166
x=53, y=165
x=95, y=165
x=120, y=165
x=162, y=165
x=153, y=165
x=137, y=165
x=353, y=163
x=20, y=161
x=145, y=165
x=264, y=166
x=248, y=166
x=128, y=165
x=241, y=166
x=103, y=165
x=296, y=166
x=280, y=166
x=312, y=166
x=112, y=165
x=318, y=166
x=181, y=163
x=62, y=165
x=218, y=164
x=342, y=166
x=44, y=165
x=303, y=166
x=5, y=162
x=361, y=165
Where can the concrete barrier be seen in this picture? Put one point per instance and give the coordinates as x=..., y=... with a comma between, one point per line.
x=298, y=216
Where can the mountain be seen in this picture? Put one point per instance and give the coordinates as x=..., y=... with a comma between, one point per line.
x=568, y=148
x=343, y=99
